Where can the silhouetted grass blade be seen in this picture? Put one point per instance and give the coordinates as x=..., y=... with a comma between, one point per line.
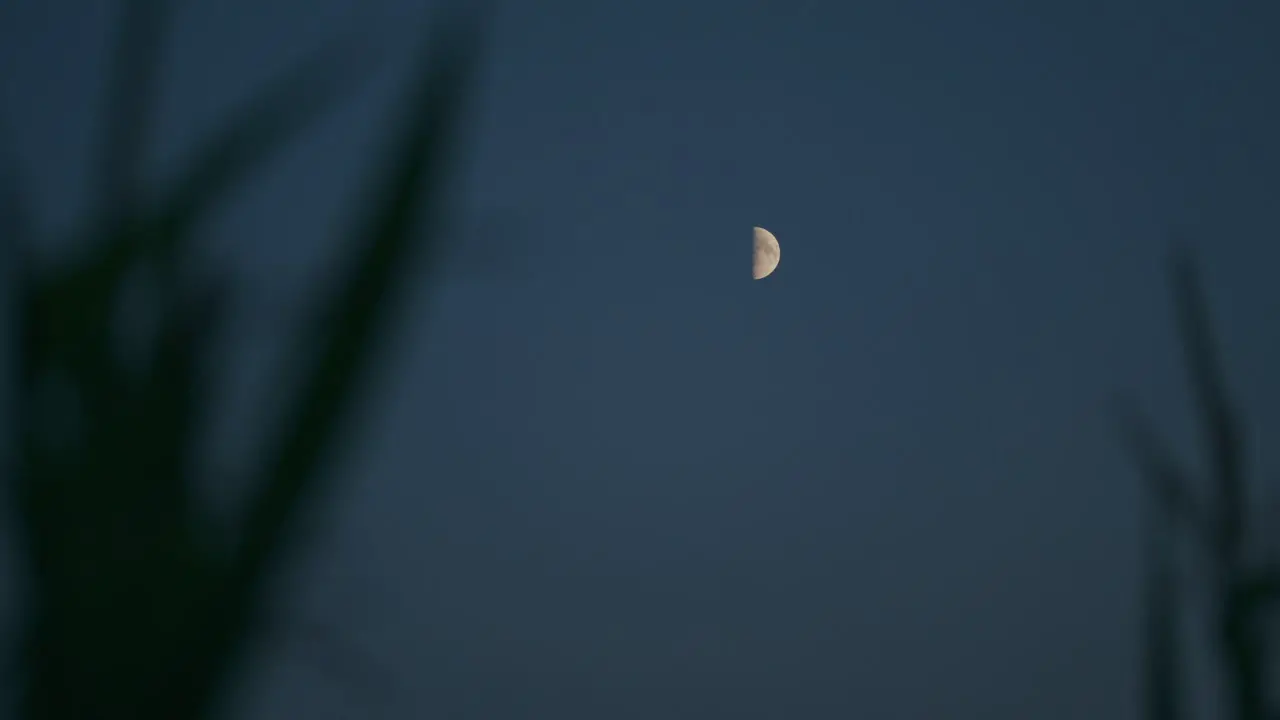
x=112, y=555
x=15, y=208
x=71, y=307
x=131, y=94
x=258, y=128
x=1169, y=484
x=406, y=201
x=134, y=612
x=76, y=298
x=1238, y=621
x=1218, y=419
x=1162, y=650
x=280, y=112
x=1239, y=591
x=15, y=228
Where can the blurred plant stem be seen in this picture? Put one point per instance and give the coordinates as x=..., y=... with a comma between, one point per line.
x=1244, y=581
x=134, y=609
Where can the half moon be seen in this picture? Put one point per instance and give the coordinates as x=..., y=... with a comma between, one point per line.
x=766, y=255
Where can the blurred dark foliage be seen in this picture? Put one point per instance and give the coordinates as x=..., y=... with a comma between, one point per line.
x=1214, y=513
x=134, y=607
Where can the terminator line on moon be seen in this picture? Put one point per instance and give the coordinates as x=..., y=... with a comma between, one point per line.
x=767, y=253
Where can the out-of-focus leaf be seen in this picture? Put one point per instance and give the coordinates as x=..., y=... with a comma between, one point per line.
x=1262, y=588
x=257, y=129
x=76, y=298
x=134, y=613
x=15, y=208
x=1158, y=468
x=278, y=113
x=405, y=201
x=16, y=224
x=131, y=94
x=171, y=403
x=1219, y=421
x=1162, y=650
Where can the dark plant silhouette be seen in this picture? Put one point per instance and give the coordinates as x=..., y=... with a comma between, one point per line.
x=135, y=607
x=1244, y=584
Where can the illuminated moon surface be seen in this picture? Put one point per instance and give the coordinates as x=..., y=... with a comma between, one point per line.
x=766, y=255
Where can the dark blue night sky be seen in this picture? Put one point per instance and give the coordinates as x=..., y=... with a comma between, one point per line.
x=606, y=474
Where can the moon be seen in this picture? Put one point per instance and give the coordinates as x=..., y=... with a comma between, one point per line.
x=767, y=253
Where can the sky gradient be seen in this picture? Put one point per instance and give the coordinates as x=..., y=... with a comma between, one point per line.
x=606, y=474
